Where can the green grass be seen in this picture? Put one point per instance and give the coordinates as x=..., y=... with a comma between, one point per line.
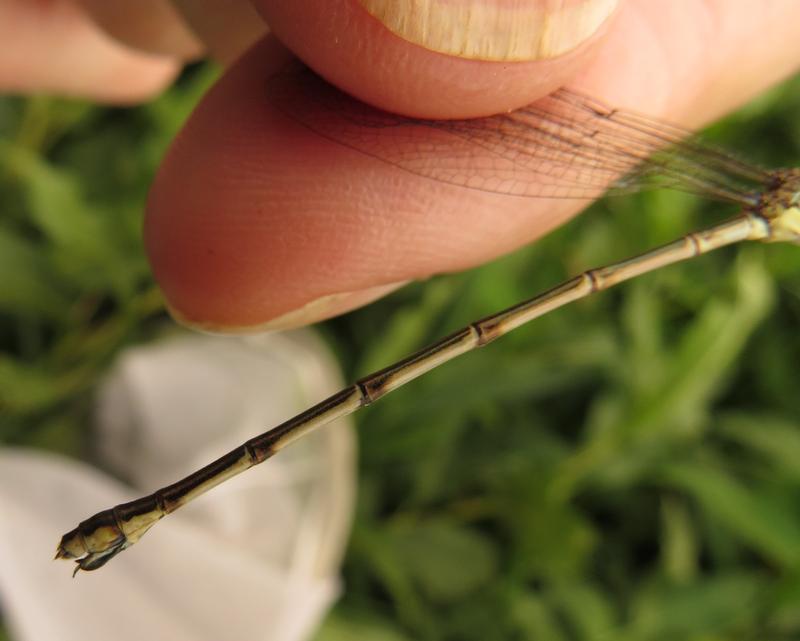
x=623, y=469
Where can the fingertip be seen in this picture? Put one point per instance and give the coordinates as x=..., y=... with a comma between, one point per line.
x=58, y=49
x=462, y=59
x=316, y=310
x=151, y=26
x=253, y=216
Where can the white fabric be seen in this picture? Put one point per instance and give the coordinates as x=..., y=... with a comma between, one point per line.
x=255, y=559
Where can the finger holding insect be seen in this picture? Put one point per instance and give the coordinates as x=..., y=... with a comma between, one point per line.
x=255, y=222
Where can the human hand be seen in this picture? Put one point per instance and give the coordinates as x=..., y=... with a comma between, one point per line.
x=118, y=51
x=55, y=46
x=255, y=222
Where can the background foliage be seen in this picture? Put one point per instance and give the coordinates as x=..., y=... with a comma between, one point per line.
x=624, y=469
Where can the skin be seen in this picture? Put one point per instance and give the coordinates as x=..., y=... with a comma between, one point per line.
x=255, y=223
x=53, y=46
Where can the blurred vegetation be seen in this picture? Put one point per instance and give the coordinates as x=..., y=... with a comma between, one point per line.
x=625, y=468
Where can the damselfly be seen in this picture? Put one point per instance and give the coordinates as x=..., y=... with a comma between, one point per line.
x=565, y=146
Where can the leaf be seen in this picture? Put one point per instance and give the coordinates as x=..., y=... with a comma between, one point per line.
x=721, y=605
x=84, y=244
x=775, y=439
x=586, y=610
x=377, y=549
x=679, y=553
x=56, y=203
x=25, y=387
x=759, y=516
x=28, y=288
x=446, y=560
x=349, y=627
x=535, y=619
